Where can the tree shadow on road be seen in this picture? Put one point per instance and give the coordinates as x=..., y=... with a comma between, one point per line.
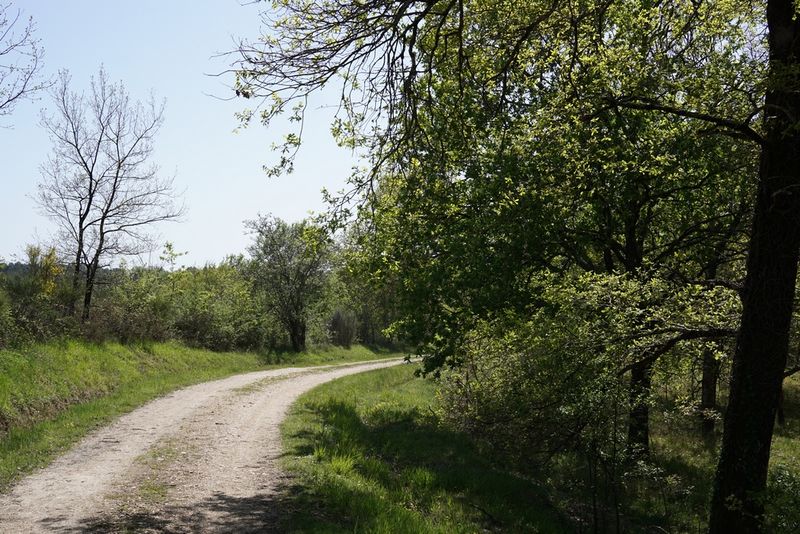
x=221, y=514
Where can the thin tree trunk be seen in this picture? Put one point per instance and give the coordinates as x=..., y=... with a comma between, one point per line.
x=76, y=281
x=762, y=344
x=711, y=365
x=297, y=335
x=91, y=273
x=708, y=392
x=75, y=285
x=639, y=417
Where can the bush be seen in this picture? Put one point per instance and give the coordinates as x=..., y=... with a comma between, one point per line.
x=783, y=500
x=35, y=298
x=137, y=308
x=215, y=308
x=527, y=391
x=8, y=328
x=211, y=308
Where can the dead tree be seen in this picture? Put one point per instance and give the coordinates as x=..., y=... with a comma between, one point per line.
x=98, y=185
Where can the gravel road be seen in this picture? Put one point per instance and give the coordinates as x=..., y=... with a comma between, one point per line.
x=202, y=459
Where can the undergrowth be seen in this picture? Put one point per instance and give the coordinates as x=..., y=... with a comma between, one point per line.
x=369, y=455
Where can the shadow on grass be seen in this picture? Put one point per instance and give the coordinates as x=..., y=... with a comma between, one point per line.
x=394, y=470
x=278, y=356
x=326, y=354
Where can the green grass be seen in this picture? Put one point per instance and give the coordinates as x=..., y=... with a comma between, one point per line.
x=52, y=395
x=783, y=504
x=370, y=456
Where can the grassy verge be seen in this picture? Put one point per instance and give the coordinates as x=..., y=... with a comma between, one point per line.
x=370, y=457
x=51, y=395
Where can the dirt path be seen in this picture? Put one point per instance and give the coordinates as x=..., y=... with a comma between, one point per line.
x=202, y=459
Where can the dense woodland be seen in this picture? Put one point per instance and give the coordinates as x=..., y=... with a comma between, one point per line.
x=582, y=215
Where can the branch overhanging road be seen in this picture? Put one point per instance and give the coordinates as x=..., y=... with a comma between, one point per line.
x=201, y=459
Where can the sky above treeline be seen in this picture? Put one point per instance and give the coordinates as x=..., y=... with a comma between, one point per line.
x=171, y=49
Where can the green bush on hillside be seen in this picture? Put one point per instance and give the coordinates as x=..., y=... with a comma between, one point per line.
x=212, y=307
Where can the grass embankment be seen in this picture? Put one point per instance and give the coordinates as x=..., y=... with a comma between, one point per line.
x=370, y=457
x=51, y=395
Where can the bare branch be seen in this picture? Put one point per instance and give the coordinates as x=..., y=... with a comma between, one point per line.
x=728, y=126
x=20, y=60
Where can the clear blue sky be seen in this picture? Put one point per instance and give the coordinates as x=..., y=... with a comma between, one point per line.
x=168, y=47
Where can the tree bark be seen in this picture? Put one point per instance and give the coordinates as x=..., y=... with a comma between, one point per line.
x=91, y=273
x=87, y=299
x=76, y=281
x=297, y=336
x=762, y=344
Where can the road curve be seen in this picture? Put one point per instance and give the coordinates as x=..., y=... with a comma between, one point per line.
x=201, y=459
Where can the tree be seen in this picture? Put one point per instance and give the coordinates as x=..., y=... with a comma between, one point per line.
x=98, y=185
x=763, y=341
x=372, y=298
x=289, y=266
x=730, y=68
x=20, y=60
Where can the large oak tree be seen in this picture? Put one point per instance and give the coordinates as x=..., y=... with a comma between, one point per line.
x=486, y=68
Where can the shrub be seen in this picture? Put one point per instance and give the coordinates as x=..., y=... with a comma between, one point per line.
x=8, y=328
x=137, y=307
x=35, y=297
x=215, y=308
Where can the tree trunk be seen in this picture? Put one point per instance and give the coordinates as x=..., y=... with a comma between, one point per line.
x=639, y=417
x=708, y=392
x=762, y=344
x=91, y=272
x=76, y=281
x=297, y=336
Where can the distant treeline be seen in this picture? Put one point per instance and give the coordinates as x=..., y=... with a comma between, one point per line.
x=292, y=288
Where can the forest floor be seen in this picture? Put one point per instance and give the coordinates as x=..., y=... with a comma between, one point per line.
x=202, y=459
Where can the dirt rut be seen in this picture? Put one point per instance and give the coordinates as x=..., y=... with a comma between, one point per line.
x=202, y=459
